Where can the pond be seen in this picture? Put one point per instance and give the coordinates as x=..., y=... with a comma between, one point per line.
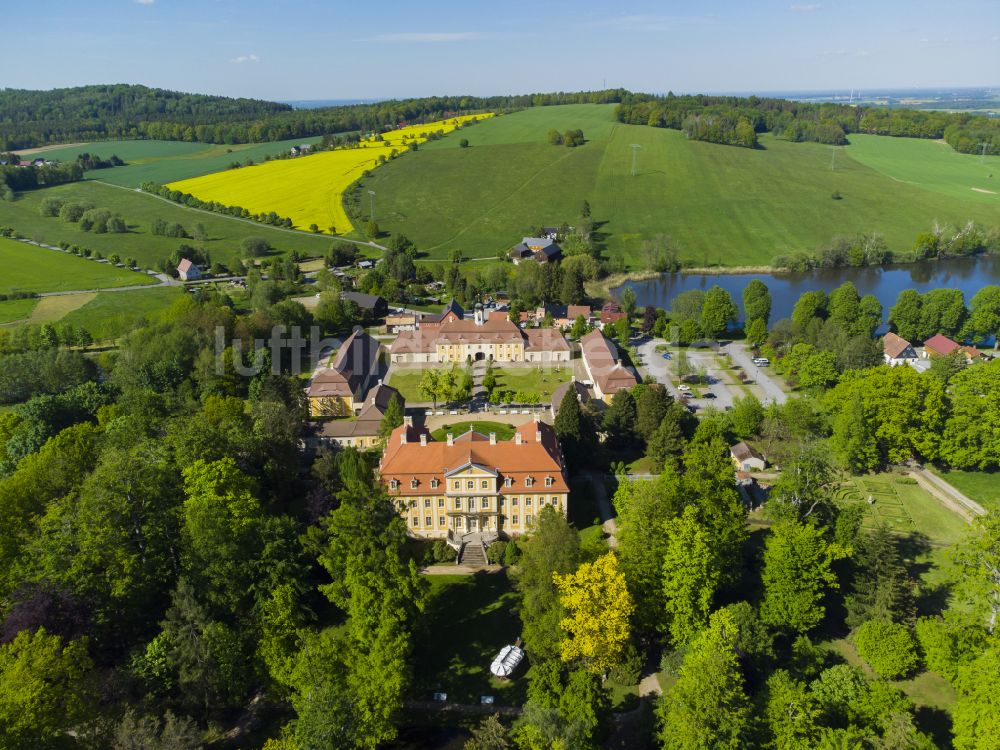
x=885, y=282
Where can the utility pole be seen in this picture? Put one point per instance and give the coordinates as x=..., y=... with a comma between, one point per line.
x=371, y=203
x=635, y=148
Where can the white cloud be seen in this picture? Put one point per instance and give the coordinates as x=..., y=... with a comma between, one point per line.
x=845, y=52
x=144, y=2
x=408, y=37
x=245, y=59
x=805, y=7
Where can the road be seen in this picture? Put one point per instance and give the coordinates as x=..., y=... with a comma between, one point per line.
x=739, y=354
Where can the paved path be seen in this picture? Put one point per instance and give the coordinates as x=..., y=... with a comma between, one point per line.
x=948, y=495
x=478, y=709
x=739, y=354
x=459, y=570
x=604, y=506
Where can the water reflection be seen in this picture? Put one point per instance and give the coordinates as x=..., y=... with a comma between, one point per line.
x=967, y=274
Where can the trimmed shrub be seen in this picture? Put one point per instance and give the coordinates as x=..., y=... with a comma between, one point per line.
x=495, y=552
x=442, y=552
x=888, y=648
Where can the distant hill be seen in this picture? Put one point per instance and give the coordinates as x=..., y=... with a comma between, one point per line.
x=93, y=113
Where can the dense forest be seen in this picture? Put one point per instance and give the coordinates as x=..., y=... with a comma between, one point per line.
x=725, y=119
x=89, y=113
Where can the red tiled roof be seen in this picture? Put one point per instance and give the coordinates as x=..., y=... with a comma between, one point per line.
x=940, y=344
x=602, y=360
x=894, y=345
x=411, y=460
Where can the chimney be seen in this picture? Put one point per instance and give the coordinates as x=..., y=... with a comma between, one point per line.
x=423, y=438
x=402, y=437
x=451, y=439
x=408, y=421
x=493, y=438
x=538, y=436
x=517, y=438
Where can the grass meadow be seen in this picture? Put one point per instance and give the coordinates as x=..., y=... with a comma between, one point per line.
x=139, y=211
x=981, y=486
x=110, y=315
x=720, y=204
x=36, y=269
x=16, y=310
x=308, y=190
x=165, y=161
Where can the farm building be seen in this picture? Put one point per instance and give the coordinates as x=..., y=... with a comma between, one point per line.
x=541, y=249
x=338, y=390
x=188, y=271
x=370, y=304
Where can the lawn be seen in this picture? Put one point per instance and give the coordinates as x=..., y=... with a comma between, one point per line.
x=164, y=161
x=113, y=314
x=309, y=189
x=543, y=380
x=37, y=269
x=16, y=309
x=720, y=204
x=981, y=486
x=467, y=621
x=139, y=211
x=407, y=382
x=503, y=431
x=51, y=309
x=903, y=507
x=932, y=165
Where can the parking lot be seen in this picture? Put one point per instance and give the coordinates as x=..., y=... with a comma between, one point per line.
x=723, y=384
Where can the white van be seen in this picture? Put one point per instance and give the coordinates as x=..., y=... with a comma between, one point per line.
x=761, y=361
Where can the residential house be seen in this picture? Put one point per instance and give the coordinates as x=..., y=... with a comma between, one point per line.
x=188, y=271
x=455, y=338
x=897, y=350
x=363, y=432
x=747, y=458
x=603, y=366
x=541, y=249
x=338, y=390
x=474, y=483
x=371, y=305
x=611, y=312
x=941, y=346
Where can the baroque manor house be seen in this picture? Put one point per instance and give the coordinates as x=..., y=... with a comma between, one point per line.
x=473, y=482
x=451, y=337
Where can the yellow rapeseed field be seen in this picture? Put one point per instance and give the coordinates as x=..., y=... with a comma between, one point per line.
x=309, y=189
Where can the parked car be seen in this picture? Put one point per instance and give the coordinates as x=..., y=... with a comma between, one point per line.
x=708, y=394
x=761, y=361
x=666, y=355
x=684, y=388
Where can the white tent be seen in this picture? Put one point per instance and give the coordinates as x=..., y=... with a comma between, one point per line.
x=506, y=661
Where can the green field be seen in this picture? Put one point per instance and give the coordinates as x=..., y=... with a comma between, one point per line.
x=981, y=486
x=541, y=380
x=16, y=309
x=37, y=269
x=113, y=314
x=931, y=165
x=720, y=204
x=139, y=211
x=167, y=161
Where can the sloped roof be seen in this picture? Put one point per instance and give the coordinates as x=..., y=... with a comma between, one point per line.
x=894, y=345
x=741, y=452
x=941, y=344
x=601, y=357
x=411, y=460
x=364, y=301
x=355, y=359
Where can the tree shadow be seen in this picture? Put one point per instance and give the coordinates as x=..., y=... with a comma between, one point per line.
x=935, y=722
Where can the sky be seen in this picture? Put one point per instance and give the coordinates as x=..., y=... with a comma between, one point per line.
x=310, y=49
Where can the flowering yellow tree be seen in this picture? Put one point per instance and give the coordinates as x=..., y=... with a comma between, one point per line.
x=599, y=608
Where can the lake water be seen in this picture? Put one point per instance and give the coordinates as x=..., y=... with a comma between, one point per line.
x=967, y=274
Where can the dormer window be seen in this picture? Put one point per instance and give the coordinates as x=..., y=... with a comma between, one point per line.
x=508, y=481
x=394, y=484
x=435, y=483
x=548, y=481
x=414, y=484
x=528, y=481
